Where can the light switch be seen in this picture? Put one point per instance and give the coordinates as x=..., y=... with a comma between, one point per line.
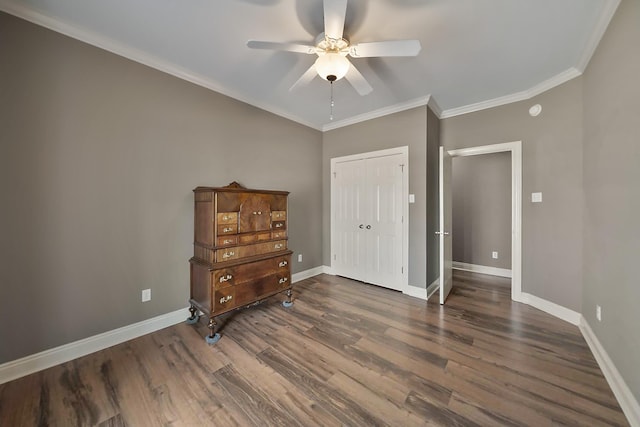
x=536, y=197
x=412, y=198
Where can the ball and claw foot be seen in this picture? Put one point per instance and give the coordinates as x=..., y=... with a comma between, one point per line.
x=192, y=320
x=212, y=339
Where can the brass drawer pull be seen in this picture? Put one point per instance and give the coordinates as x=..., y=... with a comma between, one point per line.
x=228, y=254
x=226, y=299
x=282, y=263
x=225, y=217
x=278, y=225
x=257, y=213
x=227, y=241
x=227, y=229
x=225, y=278
x=283, y=280
x=278, y=245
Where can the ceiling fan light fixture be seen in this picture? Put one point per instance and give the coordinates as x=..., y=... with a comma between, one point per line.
x=332, y=66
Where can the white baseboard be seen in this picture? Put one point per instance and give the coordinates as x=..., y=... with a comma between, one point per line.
x=327, y=269
x=296, y=277
x=552, y=308
x=493, y=271
x=36, y=362
x=433, y=287
x=623, y=394
x=414, y=291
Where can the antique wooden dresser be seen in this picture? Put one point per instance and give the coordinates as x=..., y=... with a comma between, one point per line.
x=240, y=251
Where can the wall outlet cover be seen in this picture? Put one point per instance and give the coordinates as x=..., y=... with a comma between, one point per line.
x=494, y=255
x=536, y=197
x=146, y=295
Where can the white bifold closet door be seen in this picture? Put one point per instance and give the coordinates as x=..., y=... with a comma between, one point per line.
x=368, y=216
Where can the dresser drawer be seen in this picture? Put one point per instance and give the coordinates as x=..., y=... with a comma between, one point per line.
x=228, y=218
x=278, y=225
x=240, y=274
x=278, y=215
x=280, y=234
x=224, y=299
x=227, y=229
x=227, y=240
x=255, y=237
x=249, y=292
x=236, y=252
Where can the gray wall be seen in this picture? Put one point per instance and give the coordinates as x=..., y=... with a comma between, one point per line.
x=612, y=192
x=552, y=164
x=481, y=187
x=98, y=157
x=400, y=129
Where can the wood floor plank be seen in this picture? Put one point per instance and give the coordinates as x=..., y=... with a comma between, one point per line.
x=346, y=353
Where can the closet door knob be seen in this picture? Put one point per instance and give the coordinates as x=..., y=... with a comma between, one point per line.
x=361, y=226
x=368, y=227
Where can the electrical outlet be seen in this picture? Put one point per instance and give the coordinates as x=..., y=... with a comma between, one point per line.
x=299, y=257
x=146, y=295
x=494, y=254
x=599, y=313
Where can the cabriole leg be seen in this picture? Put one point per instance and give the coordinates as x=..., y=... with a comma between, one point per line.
x=194, y=316
x=288, y=303
x=213, y=336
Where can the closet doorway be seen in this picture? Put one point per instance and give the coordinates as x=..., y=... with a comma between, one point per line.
x=369, y=217
x=516, y=204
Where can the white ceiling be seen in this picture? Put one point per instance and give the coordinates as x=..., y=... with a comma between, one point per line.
x=475, y=53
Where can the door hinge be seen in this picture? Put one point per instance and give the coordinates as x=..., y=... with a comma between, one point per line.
x=402, y=167
x=402, y=270
x=334, y=175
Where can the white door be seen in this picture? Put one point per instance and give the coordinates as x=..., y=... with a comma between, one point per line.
x=348, y=222
x=446, y=273
x=383, y=228
x=368, y=220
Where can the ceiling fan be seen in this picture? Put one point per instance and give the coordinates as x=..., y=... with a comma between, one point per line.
x=332, y=49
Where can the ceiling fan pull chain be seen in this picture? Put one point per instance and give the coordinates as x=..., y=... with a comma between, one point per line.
x=331, y=104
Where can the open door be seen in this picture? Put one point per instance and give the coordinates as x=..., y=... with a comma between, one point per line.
x=446, y=273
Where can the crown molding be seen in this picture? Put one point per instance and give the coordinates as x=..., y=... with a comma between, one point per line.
x=544, y=86
x=434, y=107
x=87, y=36
x=385, y=111
x=136, y=55
x=606, y=15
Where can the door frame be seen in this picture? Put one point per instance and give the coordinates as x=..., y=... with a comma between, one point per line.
x=516, y=204
x=404, y=151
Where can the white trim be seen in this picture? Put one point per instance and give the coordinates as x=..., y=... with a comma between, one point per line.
x=296, y=277
x=544, y=86
x=385, y=111
x=433, y=287
x=516, y=204
x=404, y=151
x=620, y=389
x=87, y=36
x=483, y=269
x=36, y=362
x=416, y=292
x=609, y=9
x=552, y=308
x=327, y=269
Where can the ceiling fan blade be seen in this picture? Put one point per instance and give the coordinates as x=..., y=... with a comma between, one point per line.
x=357, y=80
x=288, y=47
x=386, y=48
x=334, y=14
x=306, y=78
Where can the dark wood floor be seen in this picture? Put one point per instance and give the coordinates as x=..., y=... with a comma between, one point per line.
x=345, y=354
